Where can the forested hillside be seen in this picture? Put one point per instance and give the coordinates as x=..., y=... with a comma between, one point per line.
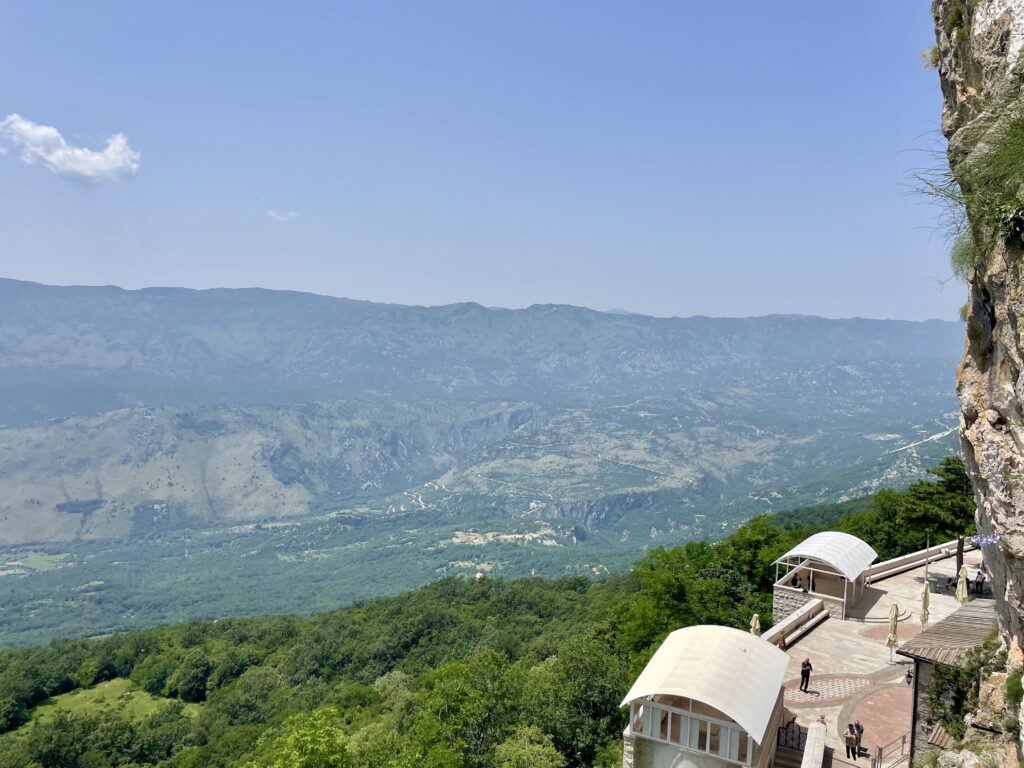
x=462, y=673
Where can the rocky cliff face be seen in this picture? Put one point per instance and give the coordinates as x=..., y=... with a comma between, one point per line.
x=981, y=67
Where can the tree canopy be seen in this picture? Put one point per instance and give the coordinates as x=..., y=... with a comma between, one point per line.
x=458, y=674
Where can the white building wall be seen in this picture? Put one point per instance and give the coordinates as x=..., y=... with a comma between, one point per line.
x=639, y=752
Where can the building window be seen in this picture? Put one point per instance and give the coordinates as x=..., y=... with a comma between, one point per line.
x=691, y=732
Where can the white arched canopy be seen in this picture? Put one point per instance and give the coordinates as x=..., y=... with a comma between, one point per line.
x=847, y=554
x=735, y=672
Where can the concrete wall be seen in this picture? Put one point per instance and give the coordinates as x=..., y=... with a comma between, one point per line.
x=765, y=753
x=814, y=749
x=786, y=600
x=793, y=623
x=833, y=606
x=913, y=560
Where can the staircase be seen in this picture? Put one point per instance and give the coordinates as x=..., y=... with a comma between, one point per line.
x=787, y=757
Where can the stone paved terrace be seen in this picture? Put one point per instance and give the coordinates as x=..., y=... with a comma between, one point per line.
x=853, y=677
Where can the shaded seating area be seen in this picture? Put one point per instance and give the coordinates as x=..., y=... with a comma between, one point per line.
x=830, y=566
x=710, y=696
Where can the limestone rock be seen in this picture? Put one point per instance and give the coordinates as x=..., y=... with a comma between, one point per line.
x=980, y=46
x=962, y=759
x=992, y=709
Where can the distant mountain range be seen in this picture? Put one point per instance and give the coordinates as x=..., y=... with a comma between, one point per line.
x=128, y=413
x=84, y=350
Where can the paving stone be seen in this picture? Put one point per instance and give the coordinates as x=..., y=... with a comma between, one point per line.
x=885, y=715
x=827, y=690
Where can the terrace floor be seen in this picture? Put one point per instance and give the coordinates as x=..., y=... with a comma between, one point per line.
x=854, y=676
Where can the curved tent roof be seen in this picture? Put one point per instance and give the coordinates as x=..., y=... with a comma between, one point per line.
x=847, y=554
x=735, y=672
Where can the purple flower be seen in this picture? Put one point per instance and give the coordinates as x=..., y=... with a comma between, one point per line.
x=983, y=540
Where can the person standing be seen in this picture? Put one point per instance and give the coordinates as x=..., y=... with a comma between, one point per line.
x=850, y=738
x=979, y=581
x=859, y=730
x=805, y=673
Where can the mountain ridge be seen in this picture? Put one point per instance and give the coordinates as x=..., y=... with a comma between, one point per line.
x=171, y=289
x=82, y=351
x=129, y=412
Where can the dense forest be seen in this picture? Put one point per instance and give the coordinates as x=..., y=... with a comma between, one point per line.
x=462, y=673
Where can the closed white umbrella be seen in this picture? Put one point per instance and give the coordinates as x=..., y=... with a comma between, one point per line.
x=755, y=625
x=925, y=599
x=961, y=586
x=893, y=639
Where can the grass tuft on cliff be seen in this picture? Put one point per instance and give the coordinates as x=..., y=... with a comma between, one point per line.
x=964, y=256
x=993, y=178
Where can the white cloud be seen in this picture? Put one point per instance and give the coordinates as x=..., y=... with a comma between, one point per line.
x=44, y=144
x=282, y=217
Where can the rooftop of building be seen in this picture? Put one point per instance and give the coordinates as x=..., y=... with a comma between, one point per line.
x=733, y=671
x=952, y=639
x=846, y=553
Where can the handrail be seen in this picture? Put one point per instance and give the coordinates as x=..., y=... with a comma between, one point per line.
x=902, y=739
x=881, y=753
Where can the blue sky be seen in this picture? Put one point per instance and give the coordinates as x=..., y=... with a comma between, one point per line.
x=671, y=158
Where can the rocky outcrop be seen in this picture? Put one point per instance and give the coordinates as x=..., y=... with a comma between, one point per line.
x=980, y=44
x=144, y=472
x=606, y=511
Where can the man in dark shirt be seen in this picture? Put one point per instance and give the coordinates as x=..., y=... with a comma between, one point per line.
x=805, y=673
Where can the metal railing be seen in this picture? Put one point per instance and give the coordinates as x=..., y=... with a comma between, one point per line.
x=893, y=753
x=792, y=735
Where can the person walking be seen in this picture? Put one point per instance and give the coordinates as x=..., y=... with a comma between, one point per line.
x=850, y=739
x=979, y=580
x=805, y=673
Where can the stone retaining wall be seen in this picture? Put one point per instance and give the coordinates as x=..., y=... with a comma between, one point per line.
x=786, y=600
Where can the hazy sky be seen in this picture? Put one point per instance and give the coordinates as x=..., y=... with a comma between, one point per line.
x=671, y=158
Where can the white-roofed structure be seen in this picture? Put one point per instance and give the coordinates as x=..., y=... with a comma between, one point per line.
x=710, y=697
x=829, y=565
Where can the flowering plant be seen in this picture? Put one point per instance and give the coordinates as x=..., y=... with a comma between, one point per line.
x=984, y=539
